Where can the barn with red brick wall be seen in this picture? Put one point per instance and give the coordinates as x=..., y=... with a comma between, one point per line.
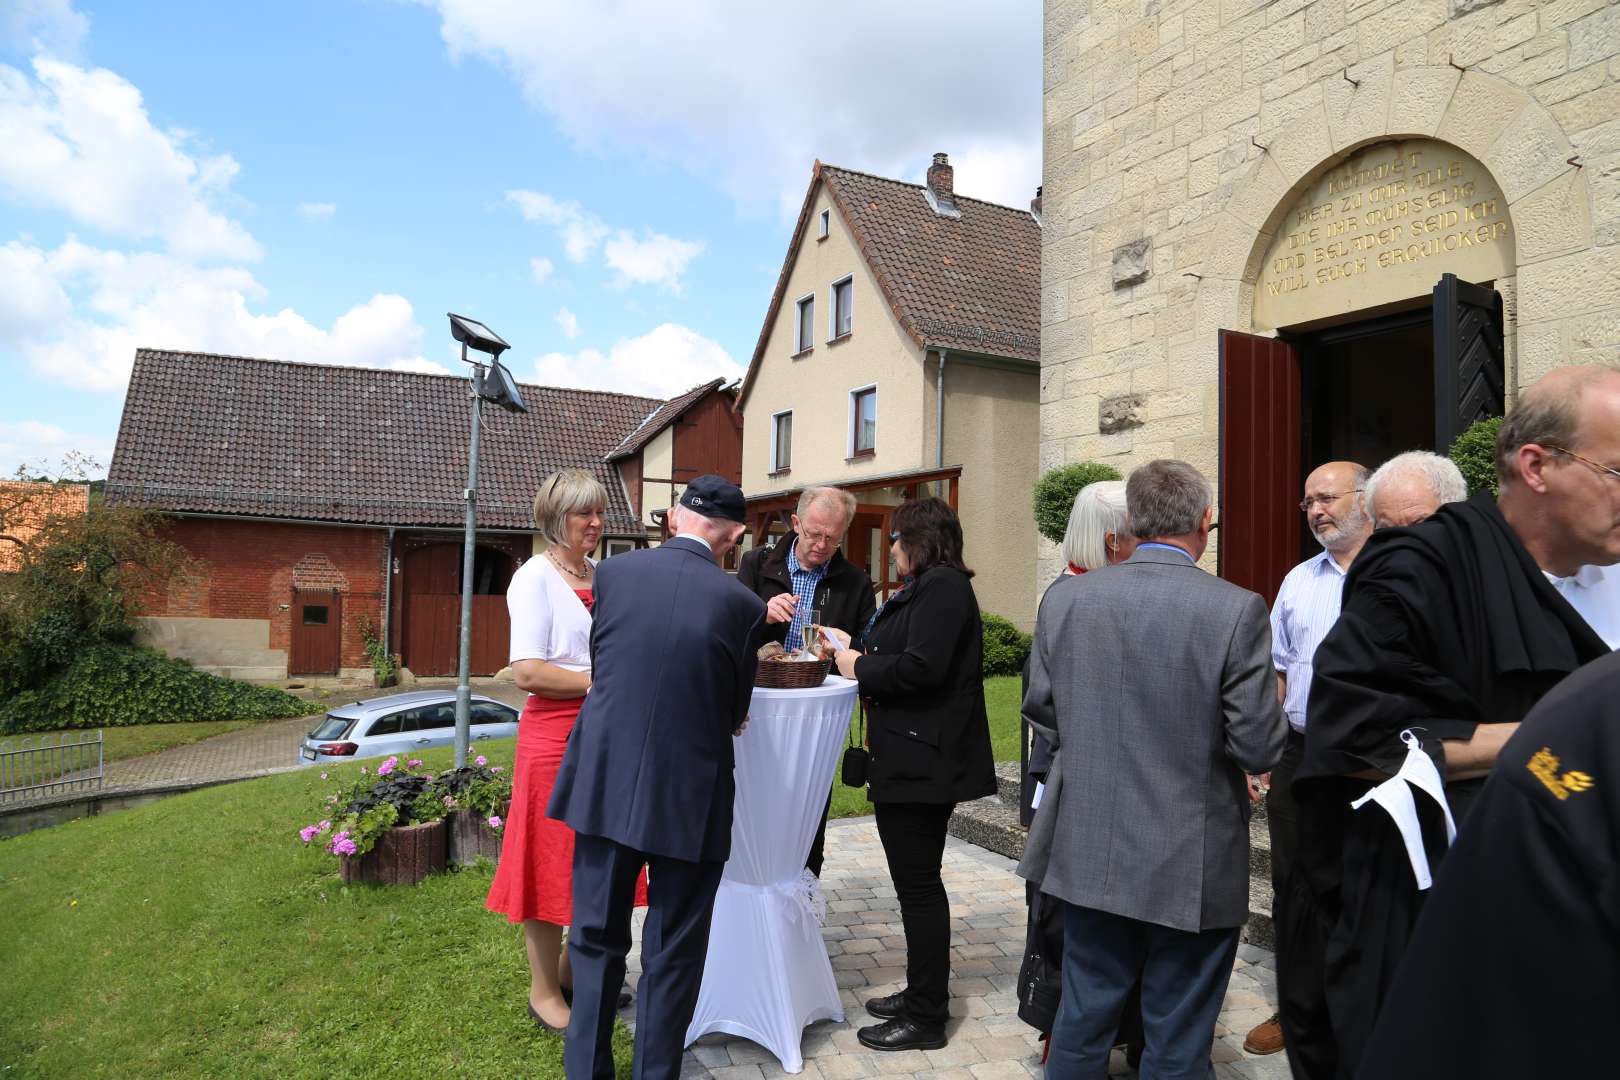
x=313, y=498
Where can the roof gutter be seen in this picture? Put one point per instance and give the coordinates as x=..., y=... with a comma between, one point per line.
x=939, y=413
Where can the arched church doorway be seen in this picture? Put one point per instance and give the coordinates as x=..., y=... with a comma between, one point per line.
x=1388, y=336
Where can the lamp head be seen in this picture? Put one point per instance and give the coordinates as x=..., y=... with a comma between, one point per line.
x=475, y=335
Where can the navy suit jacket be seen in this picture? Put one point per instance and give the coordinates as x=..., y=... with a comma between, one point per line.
x=649, y=762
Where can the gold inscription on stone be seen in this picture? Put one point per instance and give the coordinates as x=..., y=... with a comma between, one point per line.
x=1383, y=226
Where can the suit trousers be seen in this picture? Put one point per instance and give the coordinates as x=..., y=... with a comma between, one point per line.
x=913, y=838
x=1301, y=927
x=818, y=846
x=1184, y=977
x=674, y=945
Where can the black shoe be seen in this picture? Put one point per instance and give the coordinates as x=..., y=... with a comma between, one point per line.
x=902, y=1034
x=625, y=998
x=537, y=1018
x=889, y=1006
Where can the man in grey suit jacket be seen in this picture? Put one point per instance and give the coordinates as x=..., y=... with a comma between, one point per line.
x=1154, y=681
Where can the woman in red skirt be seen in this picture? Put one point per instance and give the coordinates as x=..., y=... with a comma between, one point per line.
x=550, y=603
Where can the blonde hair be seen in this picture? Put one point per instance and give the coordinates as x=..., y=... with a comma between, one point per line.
x=562, y=493
x=827, y=496
x=1099, y=509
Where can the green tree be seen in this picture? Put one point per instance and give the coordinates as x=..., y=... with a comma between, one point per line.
x=1055, y=492
x=1475, y=454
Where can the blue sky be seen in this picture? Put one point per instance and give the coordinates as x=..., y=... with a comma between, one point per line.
x=610, y=185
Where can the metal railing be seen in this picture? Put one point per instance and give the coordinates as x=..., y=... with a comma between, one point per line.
x=37, y=766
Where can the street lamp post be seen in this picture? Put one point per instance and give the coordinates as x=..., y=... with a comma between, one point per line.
x=494, y=385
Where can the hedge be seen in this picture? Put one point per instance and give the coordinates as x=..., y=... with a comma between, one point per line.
x=119, y=685
x=1055, y=492
x=1475, y=454
x=1005, y=647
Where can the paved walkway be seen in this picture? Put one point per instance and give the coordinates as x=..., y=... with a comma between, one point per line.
x=987, y=1040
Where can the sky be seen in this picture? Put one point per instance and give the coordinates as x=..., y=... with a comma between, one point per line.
x=611, y=186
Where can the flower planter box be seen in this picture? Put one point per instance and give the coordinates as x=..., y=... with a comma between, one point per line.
x=403, y=856
x=470, y=837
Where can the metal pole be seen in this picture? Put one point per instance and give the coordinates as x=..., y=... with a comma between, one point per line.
x=470, y=495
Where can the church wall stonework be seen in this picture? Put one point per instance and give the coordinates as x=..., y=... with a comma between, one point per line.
x=1178, y=134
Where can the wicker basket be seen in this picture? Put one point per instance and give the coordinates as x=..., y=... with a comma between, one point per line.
x=792, y=674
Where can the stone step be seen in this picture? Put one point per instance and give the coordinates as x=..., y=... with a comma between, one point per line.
x=992, y=823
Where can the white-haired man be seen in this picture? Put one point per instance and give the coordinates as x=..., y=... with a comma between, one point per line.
x=1409, y=487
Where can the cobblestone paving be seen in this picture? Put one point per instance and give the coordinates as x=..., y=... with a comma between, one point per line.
x=987, y=1040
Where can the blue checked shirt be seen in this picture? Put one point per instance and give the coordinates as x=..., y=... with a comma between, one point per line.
x=1307, y=607
x=805, y=581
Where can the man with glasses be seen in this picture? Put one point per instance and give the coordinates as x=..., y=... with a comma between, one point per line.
x=806, y=572
x=1306, y=607
x=1450, y=632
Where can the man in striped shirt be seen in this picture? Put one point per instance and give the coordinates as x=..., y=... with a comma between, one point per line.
x=1306, y=608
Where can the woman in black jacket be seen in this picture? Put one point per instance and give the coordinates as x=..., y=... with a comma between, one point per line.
x=922, y=681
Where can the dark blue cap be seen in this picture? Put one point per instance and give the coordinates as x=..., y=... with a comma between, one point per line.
x=714, y=497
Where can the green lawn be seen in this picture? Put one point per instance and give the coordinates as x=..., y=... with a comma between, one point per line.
x=118, y=743
x=196, y=937
x=1002, y=698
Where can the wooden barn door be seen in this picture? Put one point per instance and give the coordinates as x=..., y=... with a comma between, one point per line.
x=432, y=603
x=1260, y=461
x=1468, y=369
x=317, y=632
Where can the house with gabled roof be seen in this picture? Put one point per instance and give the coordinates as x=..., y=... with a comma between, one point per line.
x=900, y=355
x=315, y=497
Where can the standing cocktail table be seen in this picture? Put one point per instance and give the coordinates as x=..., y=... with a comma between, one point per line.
x=767, y=975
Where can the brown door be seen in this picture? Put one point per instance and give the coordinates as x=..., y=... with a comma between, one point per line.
x=1468, y=369
x=317, y=632
x=432, y=604
x=1260, y=461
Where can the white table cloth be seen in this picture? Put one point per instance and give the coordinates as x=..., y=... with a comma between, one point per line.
x=767, y=975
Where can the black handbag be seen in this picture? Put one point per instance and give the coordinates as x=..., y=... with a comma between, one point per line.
x=1040, y=976
x=856, y=756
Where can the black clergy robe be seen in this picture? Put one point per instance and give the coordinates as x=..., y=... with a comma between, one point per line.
x=1514, y=969
x=1445, y=625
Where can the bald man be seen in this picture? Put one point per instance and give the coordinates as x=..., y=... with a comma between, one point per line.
x=1307, y=605
x=1450, y=632
x=1409, y=487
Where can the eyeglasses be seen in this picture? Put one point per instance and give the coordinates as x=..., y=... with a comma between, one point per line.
x=1603, y=470
x=894, y=536
x=816, y=539
x=1324, y=499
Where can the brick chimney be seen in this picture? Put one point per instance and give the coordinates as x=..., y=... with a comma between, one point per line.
x=941, y=189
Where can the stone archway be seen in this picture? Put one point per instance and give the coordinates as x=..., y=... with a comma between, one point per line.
x=1487, y=117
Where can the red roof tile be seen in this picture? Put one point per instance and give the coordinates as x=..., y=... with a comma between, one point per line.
x=661, y=417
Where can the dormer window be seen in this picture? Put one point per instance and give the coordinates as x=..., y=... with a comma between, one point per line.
x=825, y=225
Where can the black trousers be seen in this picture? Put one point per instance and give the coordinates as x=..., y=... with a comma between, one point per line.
x=913, y=837
x=819, y=845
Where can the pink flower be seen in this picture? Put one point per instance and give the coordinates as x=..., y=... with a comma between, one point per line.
x=362, y=770
x=495, y=822
x=323, y=776
x=308, y=833
x=386, y=767
x=414, y=763
x=323, y=826
x=331, y=800
x=494, y=768
x=342, y=844
x=480, y=760
x=449, y=801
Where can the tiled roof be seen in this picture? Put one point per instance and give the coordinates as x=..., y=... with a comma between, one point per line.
x=661, y=417
x=971, y=283
x=268, y=438
x=24, y=506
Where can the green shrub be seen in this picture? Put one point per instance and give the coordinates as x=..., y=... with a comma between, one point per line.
x=1005, y=647
x=117, y=685
x=1475, y=454
x=1055, y=492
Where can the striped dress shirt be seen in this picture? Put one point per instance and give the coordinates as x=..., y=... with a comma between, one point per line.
x=1307, y=607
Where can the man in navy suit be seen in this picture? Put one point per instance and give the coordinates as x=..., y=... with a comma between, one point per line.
x=647, y=777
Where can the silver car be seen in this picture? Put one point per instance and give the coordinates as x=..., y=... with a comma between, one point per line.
x=402, y=724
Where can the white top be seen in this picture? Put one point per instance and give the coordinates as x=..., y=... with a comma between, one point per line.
x=548, y=621
x=1594, y=592
x=1307, y=606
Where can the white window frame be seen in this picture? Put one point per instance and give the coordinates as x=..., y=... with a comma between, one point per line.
x=850, y=444
x=776, y=465
x=826, y=224
x=832, y=308
x=799, y=345
x=616, y=546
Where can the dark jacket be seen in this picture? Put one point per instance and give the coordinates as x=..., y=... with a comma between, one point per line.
x=923, y=683
x=844, y=595
x=649, y=762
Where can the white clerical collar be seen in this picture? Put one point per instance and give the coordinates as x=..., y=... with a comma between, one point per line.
x=1585, y=577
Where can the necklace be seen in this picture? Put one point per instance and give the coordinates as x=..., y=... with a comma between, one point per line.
x=575, y=574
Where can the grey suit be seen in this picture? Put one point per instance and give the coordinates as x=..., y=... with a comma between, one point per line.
x=1154, y=680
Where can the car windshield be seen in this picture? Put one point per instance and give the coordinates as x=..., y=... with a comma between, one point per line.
x=331, y=727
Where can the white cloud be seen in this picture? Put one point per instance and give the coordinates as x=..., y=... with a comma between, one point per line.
x=48, y=27
x=654, y=259
x=661, y=363
x=43, y=447
x=873, y=86
x=542, y=269
x=88, y=309
x=569, y=323
x=317, y=211
x=80, y=141
x=579, y=229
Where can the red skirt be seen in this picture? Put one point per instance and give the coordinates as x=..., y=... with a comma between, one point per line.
x=535, y=877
